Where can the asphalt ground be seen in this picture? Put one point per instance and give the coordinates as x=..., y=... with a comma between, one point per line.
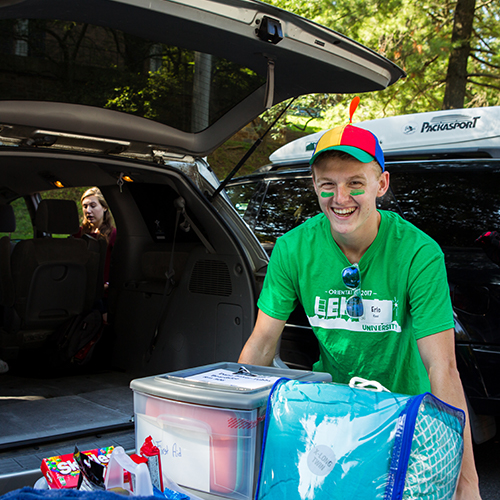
x=487, y=456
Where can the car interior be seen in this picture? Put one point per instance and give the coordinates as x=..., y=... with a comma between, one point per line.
x=164, y=227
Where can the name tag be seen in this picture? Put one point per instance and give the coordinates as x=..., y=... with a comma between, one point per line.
x=377, y=312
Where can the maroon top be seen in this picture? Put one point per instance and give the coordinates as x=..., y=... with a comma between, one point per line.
x=111, y=244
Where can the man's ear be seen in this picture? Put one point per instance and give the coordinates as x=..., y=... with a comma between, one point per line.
x=383, y=184
x=314, y=182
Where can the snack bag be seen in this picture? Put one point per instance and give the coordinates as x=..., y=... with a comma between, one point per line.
x=152, y=454
x=62, y=471
x=92, y=473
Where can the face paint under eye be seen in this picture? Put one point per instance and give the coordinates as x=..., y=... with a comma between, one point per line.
x=326, y=195
x=357, y=192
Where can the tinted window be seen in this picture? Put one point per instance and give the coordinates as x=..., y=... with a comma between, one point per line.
x=273, y=207
x=286, y=205
x=242, y=195
x=453, y=202
x=79, y=63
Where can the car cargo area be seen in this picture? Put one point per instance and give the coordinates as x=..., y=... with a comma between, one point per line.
x=46, y=414
x=204, y=315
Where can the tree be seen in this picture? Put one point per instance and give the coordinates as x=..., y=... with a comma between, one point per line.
x=456, y=78
x=424, y=37
x=484, y=62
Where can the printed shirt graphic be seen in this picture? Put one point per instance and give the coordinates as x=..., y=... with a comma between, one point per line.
x=404, y=291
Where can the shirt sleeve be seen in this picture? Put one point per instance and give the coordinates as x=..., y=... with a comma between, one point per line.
x=279, y=296
x=430, y=302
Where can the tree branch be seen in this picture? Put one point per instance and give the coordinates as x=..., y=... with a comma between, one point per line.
x=484, y=62
x=483, y=51
x=484, y=4
x=305, y=125
x=484, y=75
x=496, y=87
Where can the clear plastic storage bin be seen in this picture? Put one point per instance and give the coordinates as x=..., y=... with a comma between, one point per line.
x=208, y=423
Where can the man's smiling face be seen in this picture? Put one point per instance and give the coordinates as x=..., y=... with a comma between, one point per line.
x=347, y=191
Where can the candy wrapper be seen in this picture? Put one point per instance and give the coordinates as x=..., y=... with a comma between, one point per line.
x=62, y=471
x=152, y=454
x=91, y=473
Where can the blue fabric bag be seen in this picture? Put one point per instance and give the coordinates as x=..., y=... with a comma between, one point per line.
x=326, y=441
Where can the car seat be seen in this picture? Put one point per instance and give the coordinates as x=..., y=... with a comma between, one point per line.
x=7, y=225
x=53, y=278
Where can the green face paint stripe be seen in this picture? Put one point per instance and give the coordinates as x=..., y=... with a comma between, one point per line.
x=353, y=193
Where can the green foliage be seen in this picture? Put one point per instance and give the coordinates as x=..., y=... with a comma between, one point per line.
x=416, y=35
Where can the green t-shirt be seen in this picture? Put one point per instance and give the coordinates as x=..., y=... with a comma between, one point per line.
x=405, y=296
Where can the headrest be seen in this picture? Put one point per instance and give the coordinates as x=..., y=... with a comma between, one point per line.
x=57, y=217
x=7, y=219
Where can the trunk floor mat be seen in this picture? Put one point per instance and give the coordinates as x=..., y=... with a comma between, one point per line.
x=25, y=422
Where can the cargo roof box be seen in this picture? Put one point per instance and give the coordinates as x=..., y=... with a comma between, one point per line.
x=461, y=129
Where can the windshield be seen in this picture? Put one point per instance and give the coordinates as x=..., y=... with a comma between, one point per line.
x=80, y=63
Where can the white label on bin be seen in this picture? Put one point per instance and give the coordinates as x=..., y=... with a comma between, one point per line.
x=244, y=379
x=185, y=452
x=321, y=460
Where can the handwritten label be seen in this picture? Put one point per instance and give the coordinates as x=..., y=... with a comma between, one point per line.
x=184, y=450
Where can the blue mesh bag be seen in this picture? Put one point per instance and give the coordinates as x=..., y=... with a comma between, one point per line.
x=326, y=441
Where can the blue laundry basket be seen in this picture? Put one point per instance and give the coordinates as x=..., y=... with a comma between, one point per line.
x=326, y=441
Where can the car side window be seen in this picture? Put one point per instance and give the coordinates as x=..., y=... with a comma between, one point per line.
x=453, y=202
x=243, y=196
x=24, y=226
x=287, y=203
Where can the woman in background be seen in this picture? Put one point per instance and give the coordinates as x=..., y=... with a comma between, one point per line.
x=96, y=217
x=98, y=223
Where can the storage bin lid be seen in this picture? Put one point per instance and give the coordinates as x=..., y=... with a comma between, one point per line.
x=223, y=385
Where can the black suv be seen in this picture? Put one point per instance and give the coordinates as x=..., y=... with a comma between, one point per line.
x=447, y=187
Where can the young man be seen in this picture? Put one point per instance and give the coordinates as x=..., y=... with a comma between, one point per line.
x=373, y=286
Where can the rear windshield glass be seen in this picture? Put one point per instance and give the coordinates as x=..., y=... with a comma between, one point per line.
x=79, y=63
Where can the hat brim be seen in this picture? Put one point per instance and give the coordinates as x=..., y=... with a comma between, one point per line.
x=359, y=154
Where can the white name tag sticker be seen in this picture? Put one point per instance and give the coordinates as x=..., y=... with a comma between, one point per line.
x=377, y=312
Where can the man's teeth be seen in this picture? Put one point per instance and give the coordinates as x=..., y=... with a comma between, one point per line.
x=344, y=211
